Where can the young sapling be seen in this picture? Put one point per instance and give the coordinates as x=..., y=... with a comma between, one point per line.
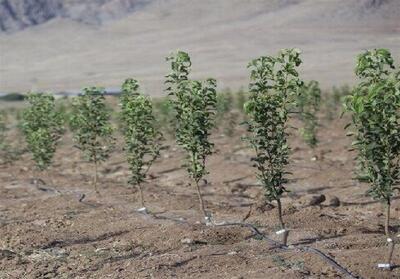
x=91, y=126
x=195, y=105
x=240, y=100
x=226, y=117
x=224, y=105
x=142, y=140
x=308, y=102
x=334, y=100
x=273, y=88
x=375, y=117
x=165, y=115
x=8, y=152
x=3, y=130
x=42, y=127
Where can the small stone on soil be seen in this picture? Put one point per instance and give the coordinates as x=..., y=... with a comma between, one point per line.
x=262, y=206
x=334, y=201
x=316, y=200
x=6, y=254
x=187, y=241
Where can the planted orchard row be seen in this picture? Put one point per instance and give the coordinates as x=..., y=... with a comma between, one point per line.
x=276, y=94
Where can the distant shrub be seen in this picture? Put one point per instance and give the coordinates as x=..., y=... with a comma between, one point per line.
x=142, y=140
x=227, y=117
x=8, y=152
x=91, y=126
x=42, y=127
x=165, y=115
x=225, y=103
x=12, y=97
x=332, y=101
x=241, y=99
x=3, y=128
x=308, y=102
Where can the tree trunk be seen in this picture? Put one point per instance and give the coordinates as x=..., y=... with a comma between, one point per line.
x=49, y=179
x=387, y=220
x=37, y=174
x=95, y=177
x=202, y=207
x=387, y=233
x=141, y=195
x=285, y=234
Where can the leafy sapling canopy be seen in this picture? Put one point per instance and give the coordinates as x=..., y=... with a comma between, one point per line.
x=273, y=88
x=3, y=130
x=165, y=115
x=90, y=123
x=8, y=152
x=195, y=105
x=240, y=100
x=224, y=105
x=374, y=106
x=226, y=117
x=308, y=102
x=333, y=101
x=142, y=140
x=42, y=127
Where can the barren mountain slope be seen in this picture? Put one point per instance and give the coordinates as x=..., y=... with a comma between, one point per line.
x=19, y=14
x=221, y=36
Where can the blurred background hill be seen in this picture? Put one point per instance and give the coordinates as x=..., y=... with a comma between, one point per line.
x=64, y=45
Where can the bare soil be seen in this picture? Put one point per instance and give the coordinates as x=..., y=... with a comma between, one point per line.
x=46, y=232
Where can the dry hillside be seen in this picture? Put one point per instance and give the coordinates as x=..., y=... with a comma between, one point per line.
x=72, y=44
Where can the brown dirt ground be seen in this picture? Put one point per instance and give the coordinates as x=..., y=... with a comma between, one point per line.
x=45, y=232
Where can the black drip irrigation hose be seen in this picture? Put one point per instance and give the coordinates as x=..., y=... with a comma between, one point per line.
x=308, y=249
x=256, y=231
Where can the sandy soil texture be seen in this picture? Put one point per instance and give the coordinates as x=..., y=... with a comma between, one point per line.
x=46, y=232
